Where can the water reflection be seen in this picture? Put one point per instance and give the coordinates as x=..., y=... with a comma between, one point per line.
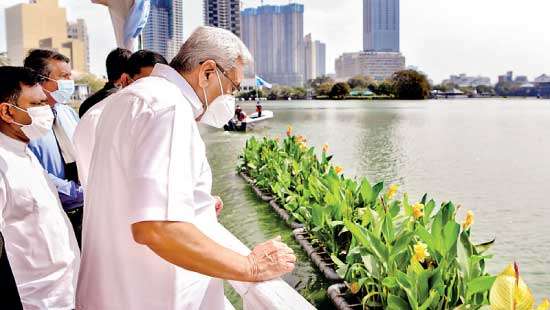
x=491, y=156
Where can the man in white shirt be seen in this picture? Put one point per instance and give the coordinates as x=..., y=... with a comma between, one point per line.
x=39, y=240
x=139, y=65
x=149, y=237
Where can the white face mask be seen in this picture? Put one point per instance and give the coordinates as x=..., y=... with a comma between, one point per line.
x=41, y=121
x=64, y=92
x=220, y=111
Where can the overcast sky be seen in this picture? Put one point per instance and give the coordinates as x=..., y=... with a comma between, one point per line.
x=439, y=37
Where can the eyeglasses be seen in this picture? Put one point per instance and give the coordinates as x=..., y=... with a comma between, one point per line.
x=236, y=87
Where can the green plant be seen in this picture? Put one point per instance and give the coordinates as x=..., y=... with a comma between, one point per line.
x=393, y=254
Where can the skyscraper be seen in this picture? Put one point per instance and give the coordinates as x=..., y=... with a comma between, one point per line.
x=274, y=35
x=314, y=58
x=310, y=58
x=79, y=31
x=164, y=30
x=170, y=23
x=321, y=49
x=224, y=14
x=381, y=25
x=43, y=24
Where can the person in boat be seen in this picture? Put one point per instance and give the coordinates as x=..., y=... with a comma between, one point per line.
x=259, y=108
x=241, y=116
x=238, y=111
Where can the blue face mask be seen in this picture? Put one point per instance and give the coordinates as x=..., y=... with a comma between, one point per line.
x=64, y=92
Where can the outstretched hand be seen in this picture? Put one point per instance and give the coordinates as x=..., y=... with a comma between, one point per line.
x=218, y=205
x=270, y=260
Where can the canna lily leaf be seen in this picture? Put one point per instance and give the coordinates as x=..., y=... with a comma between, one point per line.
x=401, y=245
x=480, y=285
x=483, y=247
x=450, y=233
x=425, y=236
x=390, y=282
x=388, y=230
x=397, y=303
x=432, y=297
x=395, y=207
x=357, y=232
x=405, y=284
x=428, y=209
x=342, y=268
x=366, y=191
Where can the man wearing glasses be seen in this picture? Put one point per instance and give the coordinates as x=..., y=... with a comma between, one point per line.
x=151, y=236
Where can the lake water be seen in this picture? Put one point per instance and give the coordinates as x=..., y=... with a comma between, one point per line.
x=490, y=156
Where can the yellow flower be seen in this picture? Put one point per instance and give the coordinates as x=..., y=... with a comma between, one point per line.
x=545, y=305
x=325, y=148
x=300, y=138
x=420, y=252
x=302, y=145
x=354, y=288
x=392, y=190
x=418, y=210
x=469, y=221
x=338, y=169
x=510, y=292
x=289, y=131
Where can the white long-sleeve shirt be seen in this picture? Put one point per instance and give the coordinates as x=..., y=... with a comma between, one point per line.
x=38, y=237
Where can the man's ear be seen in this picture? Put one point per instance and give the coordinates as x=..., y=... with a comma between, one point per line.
x=205, y=70
x=5, y=112
x=124, y=80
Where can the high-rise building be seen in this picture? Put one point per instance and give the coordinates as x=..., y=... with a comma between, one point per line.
x=377, y=65
x=314, y=58
x=310, y=58
x=163, y=32
x=170, y=23
x=43, y=24
x=223, y=14
x=381, y=25
x=274, y=35
x=321, y=49
x=79, y=31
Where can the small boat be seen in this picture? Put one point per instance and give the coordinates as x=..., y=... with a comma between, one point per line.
x=249, y=122
x=253, y=118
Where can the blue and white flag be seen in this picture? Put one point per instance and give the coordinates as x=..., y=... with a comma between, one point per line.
x=262, y=82
x=137, y=19
x=129, y=17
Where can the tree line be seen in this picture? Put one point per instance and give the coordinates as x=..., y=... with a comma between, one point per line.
x=406, y=84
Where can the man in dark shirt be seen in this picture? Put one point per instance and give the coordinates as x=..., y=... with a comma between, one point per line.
x=141, y=64
x=10, y=299
x=116, y=63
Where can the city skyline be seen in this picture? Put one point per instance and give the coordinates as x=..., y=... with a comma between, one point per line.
x=477, y=38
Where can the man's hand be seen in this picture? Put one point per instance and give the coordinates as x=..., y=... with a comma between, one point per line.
x=270, y=260
x=219, y=205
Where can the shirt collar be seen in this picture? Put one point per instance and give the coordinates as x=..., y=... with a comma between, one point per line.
x=13, y=145
x=167, y=72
